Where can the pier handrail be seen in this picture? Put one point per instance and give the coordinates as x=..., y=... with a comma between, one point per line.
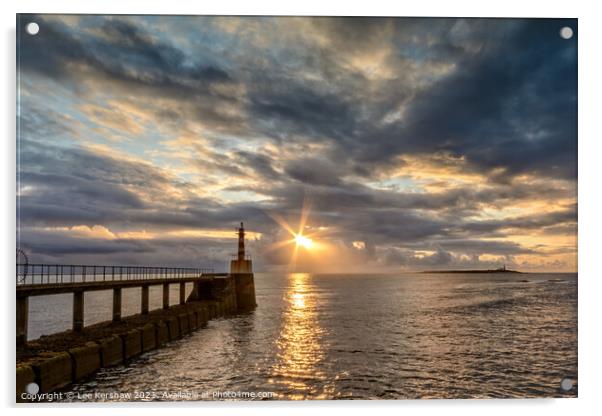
x=46, y=274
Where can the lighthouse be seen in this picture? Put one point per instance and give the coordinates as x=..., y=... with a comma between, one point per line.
x=241, y=242
x=237, y=287
x=242, y=264
x=241, y=271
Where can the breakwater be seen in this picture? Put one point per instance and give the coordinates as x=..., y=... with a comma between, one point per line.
x=54, y=362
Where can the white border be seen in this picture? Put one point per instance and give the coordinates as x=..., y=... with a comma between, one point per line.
x=590, y=288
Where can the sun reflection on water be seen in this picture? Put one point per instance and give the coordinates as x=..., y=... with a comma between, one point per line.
x=298, y=300
x=300, y=345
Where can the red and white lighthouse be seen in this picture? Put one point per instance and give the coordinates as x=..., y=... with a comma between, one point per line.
x=242, y=264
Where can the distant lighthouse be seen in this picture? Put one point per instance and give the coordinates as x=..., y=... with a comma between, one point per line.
x=241, y=264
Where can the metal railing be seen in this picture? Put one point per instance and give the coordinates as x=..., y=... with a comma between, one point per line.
x=43, y=274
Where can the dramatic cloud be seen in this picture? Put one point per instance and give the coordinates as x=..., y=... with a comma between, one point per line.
x=417, y=143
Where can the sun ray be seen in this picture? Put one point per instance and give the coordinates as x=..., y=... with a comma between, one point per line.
x=278, y=244
x=293, y=262
x=282, y=222
x=300, y=239
x=304, y=214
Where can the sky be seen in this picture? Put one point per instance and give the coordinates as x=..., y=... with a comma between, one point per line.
x=394, y=144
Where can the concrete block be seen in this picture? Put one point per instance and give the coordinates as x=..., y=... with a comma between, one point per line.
x=224, y=303
x=85, y=360
x=53, y=373
x=111, y=351
x=174, y=328
x=197, y=318
x=195, y=306
x=201, y=317
x=205, y=315
x=184, y=327
x=149, y=340
x=25, y=375
x=162, y=333
x=132, y=344
x=212, y=311
x=192, y=321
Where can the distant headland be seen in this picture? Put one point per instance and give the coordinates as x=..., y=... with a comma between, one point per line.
x=502, y=269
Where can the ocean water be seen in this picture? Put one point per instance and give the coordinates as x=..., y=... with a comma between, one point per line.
x=404, y=336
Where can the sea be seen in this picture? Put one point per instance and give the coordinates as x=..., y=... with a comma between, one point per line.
x=353, y=336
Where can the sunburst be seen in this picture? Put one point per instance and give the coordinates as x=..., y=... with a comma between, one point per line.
x=300, y=238
x=304, y=241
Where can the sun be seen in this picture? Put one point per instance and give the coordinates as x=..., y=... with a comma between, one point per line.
x=303, y=241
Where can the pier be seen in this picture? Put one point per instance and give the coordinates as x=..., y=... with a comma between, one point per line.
x=44, y=279
x=213, y=295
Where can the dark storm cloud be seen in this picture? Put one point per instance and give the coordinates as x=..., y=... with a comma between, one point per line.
x=122, y=52
x=319, y=181
x=47, y=244
x=313, y=171
x=531, y=222
x=261, y=164
x=62, y=176
x=48, y=247
x=418, y=223
x=358, y=214
x=77, y=187
x=48, y=186
x=497, y=96
x=299, y=109
x=40, y=212
x=511, y=104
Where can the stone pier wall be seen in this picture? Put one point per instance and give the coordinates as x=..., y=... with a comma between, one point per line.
x=53, y=371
